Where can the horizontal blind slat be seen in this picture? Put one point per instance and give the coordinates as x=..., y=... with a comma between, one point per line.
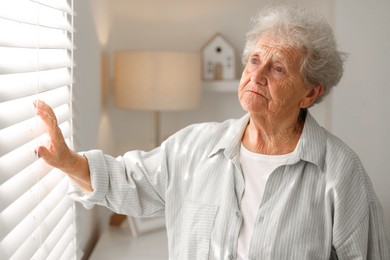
x=63, y=209
x=22, y=157
x=8, y=179
x=24, y=240
x=69, y=244
x=32, y=36
x=66, y=240
x=14, y=86
x=18, y=110
x=16, y=135
x=29, y=14
x=20, y=221
x=18, y=60
x=16, y=161
x=21, y=182
x=56, y=4
x=57, y=235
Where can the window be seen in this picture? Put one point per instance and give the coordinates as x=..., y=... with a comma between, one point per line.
x=37, y=219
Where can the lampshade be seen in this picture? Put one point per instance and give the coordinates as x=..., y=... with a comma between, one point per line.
x=157, y=80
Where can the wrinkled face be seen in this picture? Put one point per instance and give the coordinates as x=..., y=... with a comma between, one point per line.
x=271, y=83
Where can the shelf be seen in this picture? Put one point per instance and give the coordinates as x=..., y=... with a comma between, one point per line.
x=227, y=86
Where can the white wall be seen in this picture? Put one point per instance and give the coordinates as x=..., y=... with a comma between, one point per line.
x=87, y=108
x=361, y=109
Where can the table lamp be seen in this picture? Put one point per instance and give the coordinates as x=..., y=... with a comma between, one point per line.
x=157, y=81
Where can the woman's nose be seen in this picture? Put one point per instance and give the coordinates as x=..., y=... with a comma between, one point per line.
x=259, y=75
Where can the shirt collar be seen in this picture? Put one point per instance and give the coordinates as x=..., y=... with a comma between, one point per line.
x=311, y=146
x=230, y=142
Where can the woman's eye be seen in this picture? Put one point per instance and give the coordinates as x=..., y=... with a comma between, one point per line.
x=279, y=69
x=254, y=61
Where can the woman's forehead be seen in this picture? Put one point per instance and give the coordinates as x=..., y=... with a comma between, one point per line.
x=271, y=47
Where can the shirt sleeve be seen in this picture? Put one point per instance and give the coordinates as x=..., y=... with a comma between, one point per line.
x=368, y=240
x=359, y=231
x=133, y=184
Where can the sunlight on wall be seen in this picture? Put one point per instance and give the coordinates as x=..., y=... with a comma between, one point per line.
x=102, y=19
x=105, y=134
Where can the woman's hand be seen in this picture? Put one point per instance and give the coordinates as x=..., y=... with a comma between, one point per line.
x=58, y=153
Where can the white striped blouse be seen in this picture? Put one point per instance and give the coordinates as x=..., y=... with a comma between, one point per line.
x=320, y=205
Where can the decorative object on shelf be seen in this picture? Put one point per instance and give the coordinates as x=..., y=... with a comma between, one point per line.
x=218, y=59
x=157, y=81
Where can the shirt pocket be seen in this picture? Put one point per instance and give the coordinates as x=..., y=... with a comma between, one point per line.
x=197, y=223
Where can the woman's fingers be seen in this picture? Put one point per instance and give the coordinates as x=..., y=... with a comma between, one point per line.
x=46, y=113
x=58, y=150
x=44, y=153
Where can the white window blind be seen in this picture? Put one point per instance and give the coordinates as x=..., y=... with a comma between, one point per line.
x=37, y=219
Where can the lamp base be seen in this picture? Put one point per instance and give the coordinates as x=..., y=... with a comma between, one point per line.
x=157, y=125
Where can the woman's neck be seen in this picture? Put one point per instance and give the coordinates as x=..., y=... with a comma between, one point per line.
x=267, y=135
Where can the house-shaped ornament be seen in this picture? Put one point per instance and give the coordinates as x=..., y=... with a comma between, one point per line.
x=218, y=59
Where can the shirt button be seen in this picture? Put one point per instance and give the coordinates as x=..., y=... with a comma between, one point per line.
x=230, y=257
x=238, y=214
x=261, y=219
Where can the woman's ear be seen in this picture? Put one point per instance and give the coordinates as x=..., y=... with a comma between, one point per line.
x=312, y=96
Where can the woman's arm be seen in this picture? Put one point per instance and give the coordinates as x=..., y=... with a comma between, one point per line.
x=58, y=153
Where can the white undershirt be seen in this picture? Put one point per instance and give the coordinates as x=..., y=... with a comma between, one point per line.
x=256, y=169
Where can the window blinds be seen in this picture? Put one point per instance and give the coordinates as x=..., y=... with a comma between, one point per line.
x=36, y=62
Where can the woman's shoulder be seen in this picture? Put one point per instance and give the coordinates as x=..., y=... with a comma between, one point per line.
x=204, y=136
x=344, y=168
x=337, y=150
x=208, y=129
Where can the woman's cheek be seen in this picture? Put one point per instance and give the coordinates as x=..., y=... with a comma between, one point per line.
x=245, y=79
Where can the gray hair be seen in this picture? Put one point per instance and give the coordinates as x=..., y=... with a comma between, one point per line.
x=323, y=63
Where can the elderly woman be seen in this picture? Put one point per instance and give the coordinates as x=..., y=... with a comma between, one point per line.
x=271, y=185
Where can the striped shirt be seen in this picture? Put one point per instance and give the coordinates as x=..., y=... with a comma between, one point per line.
x=319, y=205
x=256, y=168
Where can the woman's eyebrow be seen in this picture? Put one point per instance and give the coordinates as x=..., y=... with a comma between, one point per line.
x=278, y=55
